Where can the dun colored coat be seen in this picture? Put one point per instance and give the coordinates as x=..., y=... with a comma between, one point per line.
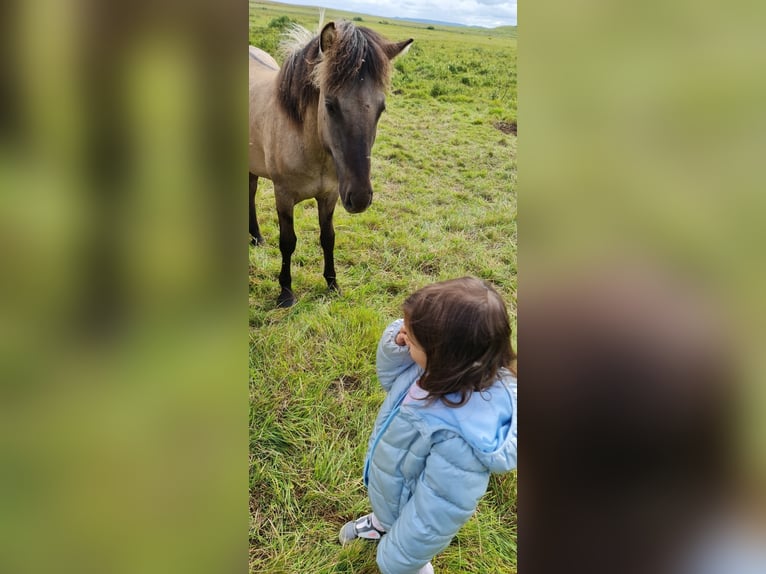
x=312, y=127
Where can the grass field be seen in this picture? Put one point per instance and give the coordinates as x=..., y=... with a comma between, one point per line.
x=444, y=174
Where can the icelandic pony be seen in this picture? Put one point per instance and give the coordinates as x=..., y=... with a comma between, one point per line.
x=312, y=127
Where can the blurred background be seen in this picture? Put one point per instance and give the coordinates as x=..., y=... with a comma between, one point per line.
x=641, y=308
x=123, y=300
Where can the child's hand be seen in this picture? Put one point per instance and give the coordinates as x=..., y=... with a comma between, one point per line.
x=401, y=337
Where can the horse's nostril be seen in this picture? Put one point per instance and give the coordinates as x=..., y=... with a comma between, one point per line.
x=356, y=202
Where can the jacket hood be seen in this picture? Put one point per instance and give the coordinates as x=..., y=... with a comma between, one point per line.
x=487, y=422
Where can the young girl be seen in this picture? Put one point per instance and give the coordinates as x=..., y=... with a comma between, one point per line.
x=448, y=421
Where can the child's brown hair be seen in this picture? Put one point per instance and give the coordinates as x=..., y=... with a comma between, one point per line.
x=463, y=327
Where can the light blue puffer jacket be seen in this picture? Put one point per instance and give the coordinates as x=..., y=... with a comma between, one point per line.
x=427, y=465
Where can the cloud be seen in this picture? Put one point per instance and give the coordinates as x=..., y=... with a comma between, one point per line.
x=488, y=13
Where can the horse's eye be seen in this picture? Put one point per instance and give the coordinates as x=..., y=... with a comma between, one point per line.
x=331, y=108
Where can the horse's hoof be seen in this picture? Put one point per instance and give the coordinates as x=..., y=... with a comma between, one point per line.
x=286, y=299
x=332, y=285
x=256, y=241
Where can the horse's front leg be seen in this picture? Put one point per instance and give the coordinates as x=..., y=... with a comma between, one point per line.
x=326, y=208
x=255, y=232
x=287, y=242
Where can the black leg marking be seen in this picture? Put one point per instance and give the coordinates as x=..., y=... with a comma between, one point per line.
x=255, y=232
x=326, y=208
x=287, y=241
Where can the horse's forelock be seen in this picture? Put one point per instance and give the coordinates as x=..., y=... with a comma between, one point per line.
x=356, y=52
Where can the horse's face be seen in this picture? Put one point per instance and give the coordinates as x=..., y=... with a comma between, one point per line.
x=348, y=112
x=348, y=123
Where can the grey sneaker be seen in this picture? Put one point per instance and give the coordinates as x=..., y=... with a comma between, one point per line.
x=359, y=528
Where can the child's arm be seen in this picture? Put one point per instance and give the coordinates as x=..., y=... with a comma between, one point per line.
x=392, y=359
x=445, y=498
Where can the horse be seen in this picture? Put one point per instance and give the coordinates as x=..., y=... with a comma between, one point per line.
x=312, y=127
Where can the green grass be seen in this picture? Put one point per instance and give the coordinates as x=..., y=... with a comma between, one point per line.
x=444, y=206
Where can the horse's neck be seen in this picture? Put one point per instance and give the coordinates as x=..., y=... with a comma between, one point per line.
x=303, y=144
x=311, y=137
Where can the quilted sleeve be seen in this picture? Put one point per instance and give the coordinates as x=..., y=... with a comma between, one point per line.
x=392, y=360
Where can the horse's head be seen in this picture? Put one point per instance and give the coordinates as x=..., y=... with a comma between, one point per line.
x=352, y=77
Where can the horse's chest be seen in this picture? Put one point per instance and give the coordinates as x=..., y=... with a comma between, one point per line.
x=308, y=184
x=307, y=179
x=319, y=186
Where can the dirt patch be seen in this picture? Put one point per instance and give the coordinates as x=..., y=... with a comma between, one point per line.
x=347, y=383
x=506, y=127
x=393, y=289
x=429, y=268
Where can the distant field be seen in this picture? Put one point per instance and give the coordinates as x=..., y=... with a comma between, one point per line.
x=444, y=174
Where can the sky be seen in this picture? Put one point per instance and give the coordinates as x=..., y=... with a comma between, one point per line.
x=487, y=13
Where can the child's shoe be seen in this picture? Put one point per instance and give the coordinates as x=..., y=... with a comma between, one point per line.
x=359, y=528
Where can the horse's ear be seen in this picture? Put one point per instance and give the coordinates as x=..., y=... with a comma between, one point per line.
x=395, y=49
x=327, y=37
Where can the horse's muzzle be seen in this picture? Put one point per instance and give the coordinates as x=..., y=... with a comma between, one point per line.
x=356, y=202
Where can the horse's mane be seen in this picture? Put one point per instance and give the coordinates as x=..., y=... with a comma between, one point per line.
x=356, y=53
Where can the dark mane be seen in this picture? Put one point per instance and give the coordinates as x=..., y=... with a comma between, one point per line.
x=356, y=54
x=295, y=85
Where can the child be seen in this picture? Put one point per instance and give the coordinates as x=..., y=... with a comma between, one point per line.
x=448, y=421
